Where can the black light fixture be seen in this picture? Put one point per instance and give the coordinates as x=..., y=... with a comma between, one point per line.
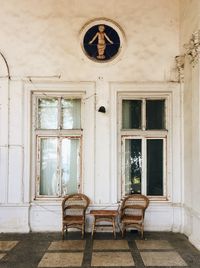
x=102, y=109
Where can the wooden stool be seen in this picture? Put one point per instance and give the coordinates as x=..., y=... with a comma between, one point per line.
x=104, y=215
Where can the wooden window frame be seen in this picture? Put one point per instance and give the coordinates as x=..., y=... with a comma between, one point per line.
x=59, y=133
x=144, y=134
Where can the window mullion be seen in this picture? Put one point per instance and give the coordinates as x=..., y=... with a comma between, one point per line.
x=38, y=163
x=123, y=165
x=144, y=166
x=166, y=115
x=164, y=167
x=59, y=114
x=79, y=164
x=36, y=121
x=59, y=170
x=143, y=114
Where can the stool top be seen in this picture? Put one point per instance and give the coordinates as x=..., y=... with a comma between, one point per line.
x=103, y=212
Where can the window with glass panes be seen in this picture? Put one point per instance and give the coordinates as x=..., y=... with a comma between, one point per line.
x=143, y=140
x=58, y=137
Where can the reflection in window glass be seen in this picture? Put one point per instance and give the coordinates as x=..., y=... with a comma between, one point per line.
x=131, y=114
x=155, y=114
x=133, y=166
x=70, y=165
x=71, y=113
x=48, y=167
x=154, y=167
x=48, y=114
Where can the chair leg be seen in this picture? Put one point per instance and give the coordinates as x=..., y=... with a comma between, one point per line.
x=142, y=233
x=122, y=230
x=83, y=229
x=63, y=227
x=93, y=226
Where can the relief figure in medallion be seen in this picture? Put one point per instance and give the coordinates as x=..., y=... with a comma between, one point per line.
x=101, y=45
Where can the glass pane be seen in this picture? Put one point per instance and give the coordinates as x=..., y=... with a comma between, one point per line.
x=70, y=157
x=131, y=114
x=133, y=166
x=155, y=114
x=71, y=114
x=48, y=114
x=48, y=167
x=155, y=167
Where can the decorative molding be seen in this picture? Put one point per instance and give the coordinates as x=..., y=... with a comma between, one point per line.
x=180, y=61
x=193, y=48
x=4, y=71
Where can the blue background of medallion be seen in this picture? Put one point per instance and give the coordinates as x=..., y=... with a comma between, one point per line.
x=111, y=49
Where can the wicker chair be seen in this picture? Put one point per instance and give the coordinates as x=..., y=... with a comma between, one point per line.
x=132, y=212
x=73, y=208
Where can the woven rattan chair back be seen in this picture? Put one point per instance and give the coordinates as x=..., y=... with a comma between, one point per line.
x=132, y=212
x=73, y=212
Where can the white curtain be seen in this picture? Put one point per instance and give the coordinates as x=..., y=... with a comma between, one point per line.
x=71, y=114
x=70, y=165
x=60, y=156
x=48, y=166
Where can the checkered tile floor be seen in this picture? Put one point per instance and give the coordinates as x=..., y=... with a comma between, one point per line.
x=48, y=250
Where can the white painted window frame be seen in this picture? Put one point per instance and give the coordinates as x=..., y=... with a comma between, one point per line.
x=171, y=92
x=144, y=135
x=58, y=133
x=87, y=89
x=144, y=139
x=59, y=170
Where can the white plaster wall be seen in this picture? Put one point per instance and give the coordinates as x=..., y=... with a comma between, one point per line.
x=41, y=40
x=4, y=96
x=16, y=147
x=3, y=138
x=190, y=22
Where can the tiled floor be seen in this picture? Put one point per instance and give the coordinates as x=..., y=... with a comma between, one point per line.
x=48, y=250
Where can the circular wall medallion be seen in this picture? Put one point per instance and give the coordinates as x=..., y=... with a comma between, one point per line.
x=102, y=40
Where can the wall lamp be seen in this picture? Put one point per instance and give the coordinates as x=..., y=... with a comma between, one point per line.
x=102, y=109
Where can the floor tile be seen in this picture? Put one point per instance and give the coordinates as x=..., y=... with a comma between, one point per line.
x=153, y=244
x=112, y=259
x=31, y=248
x=162, y=259
x=67, y=245
x=7, y=245
x=2, y=255
x=61, y=259
x=110, y=244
